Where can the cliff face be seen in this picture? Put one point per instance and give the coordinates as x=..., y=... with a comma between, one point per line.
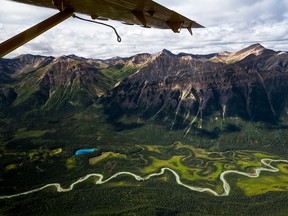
x=185, y=88
x=33, y=82
x=251, y=84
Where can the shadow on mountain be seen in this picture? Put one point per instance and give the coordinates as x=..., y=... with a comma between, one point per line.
x=214, y=134
x=21, y=145
x=119, y=126
x=274, y=127
x=232, y=128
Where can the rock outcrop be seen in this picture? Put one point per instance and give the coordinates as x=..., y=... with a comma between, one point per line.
x=251, y=84
x=184, y=88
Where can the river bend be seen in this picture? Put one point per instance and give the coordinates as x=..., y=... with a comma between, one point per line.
x=100, y=180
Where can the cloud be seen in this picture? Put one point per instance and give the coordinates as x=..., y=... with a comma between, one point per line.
x=230, y=25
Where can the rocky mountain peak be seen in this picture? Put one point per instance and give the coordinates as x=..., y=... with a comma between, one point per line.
x=139, y=59
x=23, y=63
x=255, y=49
x=72, y=56
x=179, y=86
x=164, y=53
x=28, y=58
x=232, y=57
x=185, y=89
x=256, y=46
x=167, y=52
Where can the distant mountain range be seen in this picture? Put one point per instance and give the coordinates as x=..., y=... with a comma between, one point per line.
x=251, y=84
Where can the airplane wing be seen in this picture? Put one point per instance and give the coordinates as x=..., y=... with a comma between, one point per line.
x=140, y=12
x=145, y=13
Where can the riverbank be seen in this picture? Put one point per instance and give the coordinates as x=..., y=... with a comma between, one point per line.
x=226, y=187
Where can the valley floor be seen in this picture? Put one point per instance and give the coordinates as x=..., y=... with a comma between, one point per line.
x=139, y=168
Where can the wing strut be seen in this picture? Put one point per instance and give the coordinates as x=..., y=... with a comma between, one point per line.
x=29, y=34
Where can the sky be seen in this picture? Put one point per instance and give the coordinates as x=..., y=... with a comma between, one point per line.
x=231, y=25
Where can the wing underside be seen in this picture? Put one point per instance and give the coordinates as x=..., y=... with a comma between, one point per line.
x=145, y=13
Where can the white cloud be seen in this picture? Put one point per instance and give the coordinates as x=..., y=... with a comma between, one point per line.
x=230, y=25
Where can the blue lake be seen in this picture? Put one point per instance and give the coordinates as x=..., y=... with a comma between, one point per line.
x=84, y=151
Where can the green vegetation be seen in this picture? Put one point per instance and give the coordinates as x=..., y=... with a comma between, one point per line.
x=23, y=134
x=118, y=72
x=103, y=156
x=37, y=149
x=11, y=166
x=265, y=183
x=70, y=163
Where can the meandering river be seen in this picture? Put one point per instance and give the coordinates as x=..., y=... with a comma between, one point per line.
x=100, y=180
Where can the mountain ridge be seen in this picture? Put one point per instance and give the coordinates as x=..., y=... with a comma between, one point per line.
x=180, y=86
x=186, y=88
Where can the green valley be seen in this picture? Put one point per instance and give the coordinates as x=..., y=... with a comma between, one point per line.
x=159, y=134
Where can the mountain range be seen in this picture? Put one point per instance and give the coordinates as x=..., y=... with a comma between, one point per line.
x=182, y=89
x=199, y=116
